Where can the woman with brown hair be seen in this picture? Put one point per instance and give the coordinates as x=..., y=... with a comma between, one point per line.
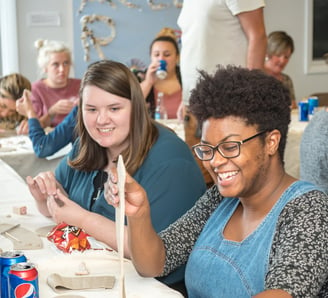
x=12, y=87
x=113, y=120
x=163, y=48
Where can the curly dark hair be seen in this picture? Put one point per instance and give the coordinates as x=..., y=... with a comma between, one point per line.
x=252, y=95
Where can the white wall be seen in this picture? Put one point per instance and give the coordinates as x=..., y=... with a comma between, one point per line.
x=28, y=34
x=288, y=15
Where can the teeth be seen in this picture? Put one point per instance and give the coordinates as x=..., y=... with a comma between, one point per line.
x=227, y=175
x=106, y=129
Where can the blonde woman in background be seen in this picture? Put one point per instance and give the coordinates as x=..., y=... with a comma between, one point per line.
x=280, y=49
x=54, y=95
x=12, y=87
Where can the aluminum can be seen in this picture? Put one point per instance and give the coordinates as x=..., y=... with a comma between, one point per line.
x=23, y=281
x=313, y=102
x=7, y=259
x=161, y=72
x=303, y=111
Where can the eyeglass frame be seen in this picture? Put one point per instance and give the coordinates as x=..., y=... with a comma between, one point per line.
x=216, y=148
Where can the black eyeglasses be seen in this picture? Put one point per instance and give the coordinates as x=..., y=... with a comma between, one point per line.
x=229, y=149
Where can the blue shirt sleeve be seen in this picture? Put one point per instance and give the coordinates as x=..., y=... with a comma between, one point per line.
x=47, y=144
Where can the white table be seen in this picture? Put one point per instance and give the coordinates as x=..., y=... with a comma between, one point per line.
x=50, y=260
x=175, y=125
x=17, y=151
x=292, y=150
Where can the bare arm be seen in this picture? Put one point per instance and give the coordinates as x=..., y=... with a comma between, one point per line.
x=150, y=79
x=273, y=294
x=146, y=247
x=252, y=23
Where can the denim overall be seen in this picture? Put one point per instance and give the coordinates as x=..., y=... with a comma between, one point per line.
x=222, y=268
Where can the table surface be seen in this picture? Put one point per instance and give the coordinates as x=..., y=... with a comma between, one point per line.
x=292, y=150
x=51, y=260
x=17, y=151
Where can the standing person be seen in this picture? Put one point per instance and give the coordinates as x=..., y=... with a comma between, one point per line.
x=258, y=232
x=280, y=49
x=12, y=87
x=217, y=32
x=54, y=95
x=113, y=119
x=163, y=47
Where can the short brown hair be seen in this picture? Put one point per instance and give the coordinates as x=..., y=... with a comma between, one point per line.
x=278, y=43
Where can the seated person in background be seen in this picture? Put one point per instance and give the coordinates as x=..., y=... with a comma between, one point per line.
x=258, y=232
x=12, y=87
x=163, y=47
x=314, y=151
x=55, y=95
x=47, y=144
x=112, y=120
x=280, y=48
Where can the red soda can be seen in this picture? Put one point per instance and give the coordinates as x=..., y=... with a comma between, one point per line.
x=7, y=259
x=23, y=281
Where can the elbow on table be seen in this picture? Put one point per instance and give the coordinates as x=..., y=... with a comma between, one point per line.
x=42, y=152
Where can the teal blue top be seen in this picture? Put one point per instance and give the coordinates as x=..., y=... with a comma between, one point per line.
x=47, y=144
x=169, y=174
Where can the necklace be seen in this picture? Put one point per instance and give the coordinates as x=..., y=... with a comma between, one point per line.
x=98, y=184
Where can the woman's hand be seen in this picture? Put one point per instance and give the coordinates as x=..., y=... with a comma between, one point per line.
x=62, y=106
x=151, y=72
x=62, y=209
x=24, y=105
x=41, y=187
x=136, y=201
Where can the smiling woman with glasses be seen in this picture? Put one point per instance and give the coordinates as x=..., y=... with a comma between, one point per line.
x=258, y=232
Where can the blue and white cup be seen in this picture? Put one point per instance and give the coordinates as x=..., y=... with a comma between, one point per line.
x=161, y=72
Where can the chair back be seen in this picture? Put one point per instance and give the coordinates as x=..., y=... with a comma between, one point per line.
x=323, y=98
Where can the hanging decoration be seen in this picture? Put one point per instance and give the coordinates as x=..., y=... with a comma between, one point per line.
x=129, y=4
x=177, y=3
x=97, y=42
x=84, y=3
x=88, y=38
x=154, y=6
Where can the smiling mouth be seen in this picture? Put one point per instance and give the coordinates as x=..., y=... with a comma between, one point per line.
x=227, y=175
x=105, y=129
